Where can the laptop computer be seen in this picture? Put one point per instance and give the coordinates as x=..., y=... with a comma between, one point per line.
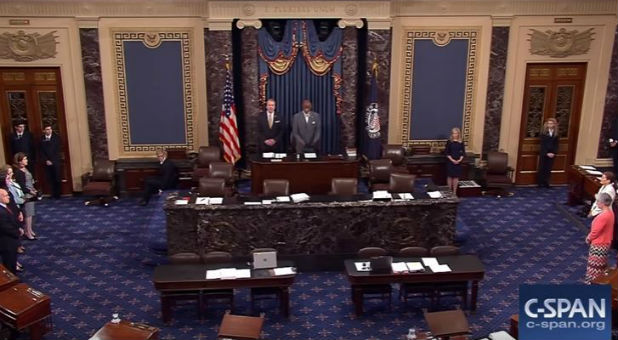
x=267, y=259
x=381, y=264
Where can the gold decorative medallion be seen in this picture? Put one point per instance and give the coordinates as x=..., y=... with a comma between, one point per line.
x=560, y=44
x=152, y=39
x=24, y=46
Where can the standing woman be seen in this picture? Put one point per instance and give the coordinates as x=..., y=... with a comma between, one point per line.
x=24, y=178
x=455, y=152
x=608, y=186
x=549, y=148
x=600, y=238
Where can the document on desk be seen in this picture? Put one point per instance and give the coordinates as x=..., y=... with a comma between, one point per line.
x=406, y=196
x=243, y=273
x=415, y=267
x=201, y=200
x=594, y=172
x=587, y=167
x=362, y=266
x=430, y=261
x=213, y=274
x=215, y=200
x=267, y=201
x=441, y=268
x=281, y=155
x=268, y=154
x=297, y=198
x=284, y=271
x=399, y=267
x=181, y=202
x=310, y=155
x=381, y=195
x=434, y=194
x=283, y=199
x=253, y=203
x=228, y=273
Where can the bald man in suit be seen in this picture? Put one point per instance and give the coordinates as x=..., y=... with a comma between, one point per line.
x=306, y=127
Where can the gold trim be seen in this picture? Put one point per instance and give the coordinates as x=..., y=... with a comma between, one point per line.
x=119, y=36
x=441, y=37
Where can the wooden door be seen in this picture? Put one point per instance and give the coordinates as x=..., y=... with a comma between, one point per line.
x=551, y=90
x=35, y=96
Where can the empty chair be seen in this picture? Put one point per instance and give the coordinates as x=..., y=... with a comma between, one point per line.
x=413, y=252
x=378, y=291
x=276, y=187
x=205, y=156
x=397, y=154
x=212, y=187
x=227, y=295
x=455, y=288
x=240, y=327
x=380, y=174
x=222, y=170
x=344, y=186
x=100, y=183
x=264, y=293
x=444, y=251
x=498, y=173
x=192, y=295
x=415, y=290
x=185, y=258
x=400, y=183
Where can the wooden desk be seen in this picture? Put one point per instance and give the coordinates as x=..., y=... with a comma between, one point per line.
x=514, y=326
x=434, y=166
x=447, y=323
x=126, y=330
x=581, y=185
x=308, y=176
x=23, y=307
x=323, y=231
x=463, y=268
x=169, y=279
x=7, y=279
x=240, y=327
x=132, y=173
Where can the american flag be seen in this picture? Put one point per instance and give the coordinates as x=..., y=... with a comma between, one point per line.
x=228, y=127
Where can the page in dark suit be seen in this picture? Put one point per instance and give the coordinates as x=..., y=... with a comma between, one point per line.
x=9, y=234
x=50, y=152
x=266, y=132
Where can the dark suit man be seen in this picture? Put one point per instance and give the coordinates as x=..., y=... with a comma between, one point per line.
x=167, y=178
x=50, y=156
x=9, y=233
x=306, y=126
x=22, y=141
x=548, y=151
x=270, y=130
x=613, y=144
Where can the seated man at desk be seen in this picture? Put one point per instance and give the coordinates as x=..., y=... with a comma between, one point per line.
x=270, y=130
x=167, y=178
x=306, y=127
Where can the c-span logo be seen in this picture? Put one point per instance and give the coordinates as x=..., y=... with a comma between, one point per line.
x=565, y=312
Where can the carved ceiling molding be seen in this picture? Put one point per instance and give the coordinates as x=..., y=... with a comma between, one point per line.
x=561, y=43
x=343, y=23
x=257, y=23
x=24, y=47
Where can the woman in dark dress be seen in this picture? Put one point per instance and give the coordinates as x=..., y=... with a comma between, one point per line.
x=455, y=152
x=549, y=148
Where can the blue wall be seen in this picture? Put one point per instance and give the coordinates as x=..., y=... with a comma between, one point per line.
x=438, y=88
x=155, y=93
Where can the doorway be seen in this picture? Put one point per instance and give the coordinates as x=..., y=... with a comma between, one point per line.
x=34, y=95
x=551, y=91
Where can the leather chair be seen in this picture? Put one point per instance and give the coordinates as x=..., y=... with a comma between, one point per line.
x=401, y=183
x=378, y=291
x=415, y=290
x=276, y=187
x=240, y=327
x=344, y=186
x=414, y=252
x=226, y=171
x=205, y=156
x=212, y=187
x=497, y=176
x=263, y=293
x=397, y=154
x=217, y=257
x=186, y=295
x=185, y=258
x=100, y=183
x=455, y=288
x=379, y=174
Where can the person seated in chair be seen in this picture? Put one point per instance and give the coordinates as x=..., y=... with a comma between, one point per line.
x=167, y=178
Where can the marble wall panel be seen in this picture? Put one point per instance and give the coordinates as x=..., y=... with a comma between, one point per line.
x=379, y=48
x=218, y=45
x=495, y=88
x=350, y=87
x=91, y=60
x=610, y=114
x=250, y=89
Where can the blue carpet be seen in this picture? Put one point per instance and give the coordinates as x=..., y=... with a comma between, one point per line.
x=95, y=261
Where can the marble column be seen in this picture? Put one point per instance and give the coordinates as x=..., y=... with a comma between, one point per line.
x=91, y=61
x=250, y=89
x=495, y=88
x=349, y=88
x=610, y=114
x=379, y=48
x=218, y=45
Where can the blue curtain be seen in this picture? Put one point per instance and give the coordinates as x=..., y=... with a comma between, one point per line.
x=286, y=76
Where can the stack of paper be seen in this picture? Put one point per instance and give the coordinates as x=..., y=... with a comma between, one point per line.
x=406, y=196
x=267, y=201
x=435, y=267
x=253, y=203
x=181, y=202
x=228, y=274
x=382, y=195
x=310, y=155
x=362, y=266
x=201, y=200
x=414, y=267
x=209, y=200
x=284, y=271
x=243, y=273
x=268, y=155
x=399, y=267
x=283, y=198
x=280, y=155
x=434, y=194
x=299, y=197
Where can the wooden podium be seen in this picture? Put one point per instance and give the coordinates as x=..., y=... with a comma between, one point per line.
x=7, y=279
x=23, y=307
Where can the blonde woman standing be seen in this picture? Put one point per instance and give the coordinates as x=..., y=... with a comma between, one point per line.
x=549, y=149
x=455, y=152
